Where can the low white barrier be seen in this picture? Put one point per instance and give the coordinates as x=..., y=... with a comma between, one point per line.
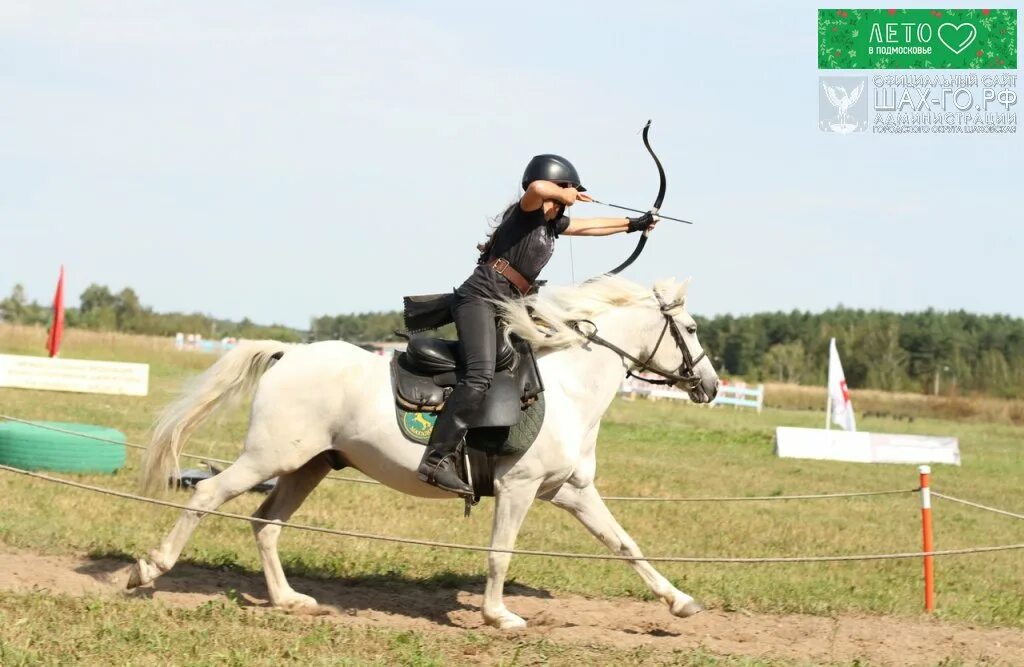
x=195, y=342
x=81, y=375
x=737, y=395
x=865, y=447
x=741, y=396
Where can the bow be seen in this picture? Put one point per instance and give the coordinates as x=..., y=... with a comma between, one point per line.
x=654, y=209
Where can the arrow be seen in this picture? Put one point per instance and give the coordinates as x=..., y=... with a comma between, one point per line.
x=636, y=210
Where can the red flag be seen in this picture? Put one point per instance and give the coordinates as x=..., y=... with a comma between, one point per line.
x=57, y=325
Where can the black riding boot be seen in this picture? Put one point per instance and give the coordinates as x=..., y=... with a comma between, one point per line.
x=439, y=466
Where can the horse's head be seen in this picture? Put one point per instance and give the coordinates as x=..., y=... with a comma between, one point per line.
x=671, y=347
x=649, y=330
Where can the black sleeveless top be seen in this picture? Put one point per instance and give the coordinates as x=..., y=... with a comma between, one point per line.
x=527, y=241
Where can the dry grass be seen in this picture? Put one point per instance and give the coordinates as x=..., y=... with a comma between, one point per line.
x=902, y=406
x=157, y=351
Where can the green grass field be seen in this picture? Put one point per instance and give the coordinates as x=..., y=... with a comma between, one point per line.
x=646, y=449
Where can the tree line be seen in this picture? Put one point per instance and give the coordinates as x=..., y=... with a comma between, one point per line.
x=104, y=310
x=929, y=351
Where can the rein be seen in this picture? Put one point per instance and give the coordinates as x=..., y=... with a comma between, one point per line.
x=683, y=375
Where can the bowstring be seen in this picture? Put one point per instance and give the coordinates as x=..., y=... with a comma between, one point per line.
x=572, y=263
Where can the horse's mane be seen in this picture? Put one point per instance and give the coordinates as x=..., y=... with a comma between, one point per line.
x=541, y=318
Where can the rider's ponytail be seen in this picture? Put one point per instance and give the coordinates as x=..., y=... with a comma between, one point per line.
x=485, y=247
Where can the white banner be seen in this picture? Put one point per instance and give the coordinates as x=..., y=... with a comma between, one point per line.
x=81, y=375
x=864, y=447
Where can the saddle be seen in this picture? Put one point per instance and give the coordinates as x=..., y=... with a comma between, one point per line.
x=426, y=373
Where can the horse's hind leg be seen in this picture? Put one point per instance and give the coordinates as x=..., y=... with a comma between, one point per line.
x=588, y=506
x=240, y=476
x=288, y=494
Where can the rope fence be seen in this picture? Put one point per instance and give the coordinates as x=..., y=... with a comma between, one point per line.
x=517, y=552
x=357, y=480
x=927, y=554
x=977, y=505
x=726, y=499
x=132, y=445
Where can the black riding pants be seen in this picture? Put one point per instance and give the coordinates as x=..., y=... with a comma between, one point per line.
x=476, y=322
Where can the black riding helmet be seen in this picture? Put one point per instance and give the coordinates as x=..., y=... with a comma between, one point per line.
x=553, y=168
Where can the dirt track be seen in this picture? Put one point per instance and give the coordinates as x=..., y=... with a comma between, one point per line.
x=560, y=619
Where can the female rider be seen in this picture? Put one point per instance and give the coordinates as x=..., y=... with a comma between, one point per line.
x=510, y=261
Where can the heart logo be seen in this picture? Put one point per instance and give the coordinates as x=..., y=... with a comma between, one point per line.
x=961, y=35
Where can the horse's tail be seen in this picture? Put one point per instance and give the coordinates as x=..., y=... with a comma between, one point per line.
x=236, y=373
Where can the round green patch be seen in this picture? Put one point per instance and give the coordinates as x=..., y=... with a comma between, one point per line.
x=418, y=425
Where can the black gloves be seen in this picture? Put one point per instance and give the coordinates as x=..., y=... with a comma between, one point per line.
x=640, y=223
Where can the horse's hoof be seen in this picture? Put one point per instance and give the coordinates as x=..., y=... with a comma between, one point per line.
x=298, y=602
x=505, y=620
x=511, y=622
x=134, y=577
x=686, y=609
x=143, y=572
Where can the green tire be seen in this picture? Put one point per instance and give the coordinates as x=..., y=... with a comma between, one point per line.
x=31, y=448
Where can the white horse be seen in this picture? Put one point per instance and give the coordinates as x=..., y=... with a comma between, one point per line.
x=332, y=395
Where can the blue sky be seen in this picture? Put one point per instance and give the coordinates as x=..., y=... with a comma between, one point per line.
x=286, y=160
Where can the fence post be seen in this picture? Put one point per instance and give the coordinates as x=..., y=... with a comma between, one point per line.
x=926, y=537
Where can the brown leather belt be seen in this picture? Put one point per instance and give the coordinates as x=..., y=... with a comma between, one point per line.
x=502, y=267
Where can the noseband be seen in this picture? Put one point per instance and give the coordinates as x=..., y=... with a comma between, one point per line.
x=684, y=374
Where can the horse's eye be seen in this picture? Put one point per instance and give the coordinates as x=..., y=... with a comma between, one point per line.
x=691, y=329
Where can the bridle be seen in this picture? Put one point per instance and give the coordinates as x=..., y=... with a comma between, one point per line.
x=685, y=374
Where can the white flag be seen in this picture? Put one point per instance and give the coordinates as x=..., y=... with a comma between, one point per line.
x=838, y=393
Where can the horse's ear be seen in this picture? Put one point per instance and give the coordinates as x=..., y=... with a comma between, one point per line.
x=666, y=289
x=684, y=286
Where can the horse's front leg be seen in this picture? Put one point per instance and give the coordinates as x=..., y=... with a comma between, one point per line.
x=512, y=501
x=587, y=505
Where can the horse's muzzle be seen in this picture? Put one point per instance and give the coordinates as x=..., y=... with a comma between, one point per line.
x=701, y=393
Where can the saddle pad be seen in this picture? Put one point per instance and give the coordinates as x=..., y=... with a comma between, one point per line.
x=502, y=404
x=500, y=440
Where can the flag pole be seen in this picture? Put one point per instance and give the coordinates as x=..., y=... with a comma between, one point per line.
x=828, y=388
